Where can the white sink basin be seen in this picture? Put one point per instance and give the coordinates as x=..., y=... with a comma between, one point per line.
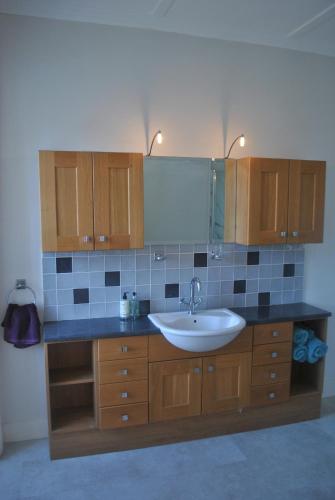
x=203, y=331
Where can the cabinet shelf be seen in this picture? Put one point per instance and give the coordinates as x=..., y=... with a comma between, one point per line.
x=73, y=419
x=68, y=376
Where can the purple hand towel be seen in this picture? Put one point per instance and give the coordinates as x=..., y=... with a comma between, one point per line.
x=22, y=325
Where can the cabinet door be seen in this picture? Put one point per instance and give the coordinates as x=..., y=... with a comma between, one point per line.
x=174, y=389
x=118, y=200
x=226, y=382
x=306, y=201
x=66, y=200
x=268, y=201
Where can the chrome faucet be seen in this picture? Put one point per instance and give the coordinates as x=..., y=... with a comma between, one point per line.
x=192, y=302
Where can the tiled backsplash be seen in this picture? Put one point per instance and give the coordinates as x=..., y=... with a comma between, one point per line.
x=90, y=284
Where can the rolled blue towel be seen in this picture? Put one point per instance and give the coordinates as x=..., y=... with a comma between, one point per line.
x=300, y=353
x=300, y=335
x=316, y=349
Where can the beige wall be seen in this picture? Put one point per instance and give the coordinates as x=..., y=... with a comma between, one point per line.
x=84, y=86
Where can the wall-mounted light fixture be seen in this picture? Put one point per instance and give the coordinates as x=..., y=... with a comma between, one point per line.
x=158, y=137
x=241, y=139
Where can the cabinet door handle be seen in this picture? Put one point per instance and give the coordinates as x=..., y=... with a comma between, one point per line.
x=124, y=371
x=272, y=395
x=124, y=418
x=273, y=375
x=102, y=238
x=87, y=239
x=283, y=234
x=197, y=370
x=295, y=234
x=124, y=395
x=274, y=354
x=211, y=369
x=275, y=333
x=124, y=348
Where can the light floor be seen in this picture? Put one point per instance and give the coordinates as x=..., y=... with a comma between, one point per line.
x=283, y=463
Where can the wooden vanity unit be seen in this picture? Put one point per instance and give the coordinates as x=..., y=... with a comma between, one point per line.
x=109, y=394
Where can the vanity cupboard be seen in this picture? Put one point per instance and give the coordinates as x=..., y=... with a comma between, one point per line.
x=279, y=201
x=91, y=201
x=127, y=392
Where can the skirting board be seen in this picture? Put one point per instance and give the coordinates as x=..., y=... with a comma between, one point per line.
x=23, y=431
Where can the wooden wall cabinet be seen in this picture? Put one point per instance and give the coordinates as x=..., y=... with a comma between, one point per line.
x=91, y=200
x=279, y=201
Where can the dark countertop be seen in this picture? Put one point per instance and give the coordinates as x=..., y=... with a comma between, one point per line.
x=95, y=328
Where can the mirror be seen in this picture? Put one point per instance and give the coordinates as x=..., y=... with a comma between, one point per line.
x=185, y=200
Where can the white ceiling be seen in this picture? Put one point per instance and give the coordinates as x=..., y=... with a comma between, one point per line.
x=307, y=25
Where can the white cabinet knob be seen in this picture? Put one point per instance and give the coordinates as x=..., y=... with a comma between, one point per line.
x=295, y=234
x=124, y=418
x=124, y=395
x=124, y=371
x=124, y=348
x=273, y=375
x=275, y=333
x=87, y=239
x=211, y=369
x=197, y=370
x=283, y=234
x=272, y=395
x=274, y=355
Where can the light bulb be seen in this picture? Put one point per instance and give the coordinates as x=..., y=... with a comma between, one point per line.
x=159, y=137
x=242, y=141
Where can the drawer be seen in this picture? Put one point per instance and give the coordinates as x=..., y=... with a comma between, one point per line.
x=123, y=416
x=270, y=374
x=273, y=332
x=161, y=350
x=269, y=354
x=123, y=393
x=122, y=370
x=269, y=394
x=123, y=348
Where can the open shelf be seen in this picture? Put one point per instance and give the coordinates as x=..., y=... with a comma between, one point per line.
x=67, y=376
x=307, y=378
x=73, y=419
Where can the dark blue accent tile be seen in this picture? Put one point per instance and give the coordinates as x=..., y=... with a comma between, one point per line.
x=81, y=296
x=144, y=307
x=239, y=286
x=112, y=278
x=64, y=264
x=288, y=270
x=253, y=258
x=264, y=299
x=171, y=290
x=200, y=259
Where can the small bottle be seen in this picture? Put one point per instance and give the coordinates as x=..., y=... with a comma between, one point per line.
x=134, y=307
x=124, y=307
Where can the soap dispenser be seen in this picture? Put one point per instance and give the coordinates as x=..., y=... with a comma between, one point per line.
x=124, y=307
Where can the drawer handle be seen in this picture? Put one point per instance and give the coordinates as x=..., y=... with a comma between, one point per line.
x=273, y=375
x=275, y=333
x=124, y=348
x=211, y=369
x=272, y=395
x=283, y=234
x=295, y=234
x=124, y=395
x=197, y=370
x=102, y=238
x=124, y=371
x=124, y=418
x=274, y=355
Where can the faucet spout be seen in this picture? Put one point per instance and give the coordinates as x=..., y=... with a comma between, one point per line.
x=193, y=302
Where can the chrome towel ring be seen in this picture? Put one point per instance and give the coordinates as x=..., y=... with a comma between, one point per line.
x=21, y=285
